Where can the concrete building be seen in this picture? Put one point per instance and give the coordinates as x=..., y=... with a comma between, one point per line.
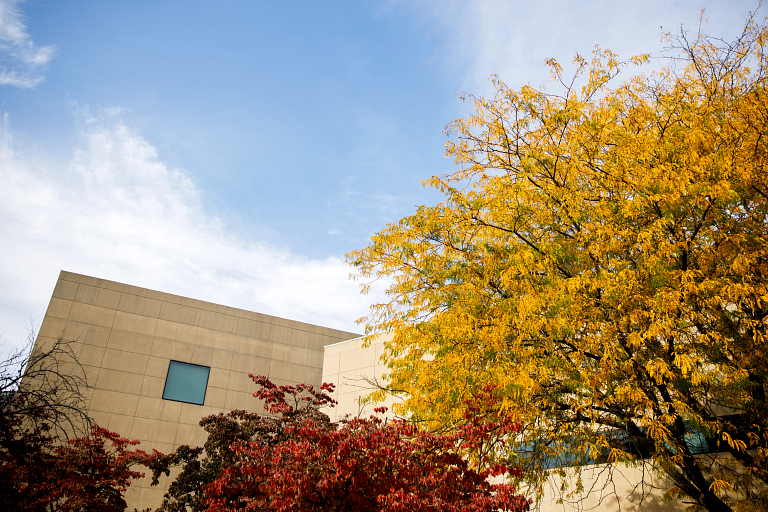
x=157, y=363
x=353, y=369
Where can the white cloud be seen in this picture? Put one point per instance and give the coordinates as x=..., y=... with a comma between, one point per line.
x=117, y=212
x=512, y=38
x=21, y=61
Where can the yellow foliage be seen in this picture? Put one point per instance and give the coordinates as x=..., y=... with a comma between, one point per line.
x=601, y=258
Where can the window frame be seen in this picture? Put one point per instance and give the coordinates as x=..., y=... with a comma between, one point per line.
x=205, y=388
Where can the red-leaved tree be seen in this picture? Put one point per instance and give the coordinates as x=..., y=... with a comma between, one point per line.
x=41, y=403
x=297, y=459
x=95, y=471
x=85, y=473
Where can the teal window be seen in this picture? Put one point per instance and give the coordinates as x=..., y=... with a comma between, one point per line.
x=186, y=383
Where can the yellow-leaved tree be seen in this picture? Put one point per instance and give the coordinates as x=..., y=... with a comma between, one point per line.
x=601, y=261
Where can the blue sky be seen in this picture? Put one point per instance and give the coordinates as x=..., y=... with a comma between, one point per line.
x=235, y=151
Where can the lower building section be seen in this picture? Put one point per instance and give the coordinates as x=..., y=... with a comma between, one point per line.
x=157, y=363
x=356, y=369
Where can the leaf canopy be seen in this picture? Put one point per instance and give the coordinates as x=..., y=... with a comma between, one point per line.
x=601, y=257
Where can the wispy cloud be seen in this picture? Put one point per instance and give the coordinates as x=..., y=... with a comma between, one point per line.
x=21, y=61
x=512, y=38
x=116, y=211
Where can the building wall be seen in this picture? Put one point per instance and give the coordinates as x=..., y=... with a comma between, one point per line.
x=613, y=489
x=126, y=336
x=351, y=368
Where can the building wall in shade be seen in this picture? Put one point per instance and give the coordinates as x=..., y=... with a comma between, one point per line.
x=126, y=337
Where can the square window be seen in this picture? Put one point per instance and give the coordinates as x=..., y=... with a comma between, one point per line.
x=186, y=383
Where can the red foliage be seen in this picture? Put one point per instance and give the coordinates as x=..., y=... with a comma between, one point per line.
x=85, y=473
x=310, y=464
x=93, y=476
x=39, y=469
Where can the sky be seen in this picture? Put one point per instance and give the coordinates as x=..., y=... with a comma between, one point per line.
x=235, y=151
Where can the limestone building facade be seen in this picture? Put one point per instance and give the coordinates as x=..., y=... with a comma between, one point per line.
x=156, y=363
x=135, y=344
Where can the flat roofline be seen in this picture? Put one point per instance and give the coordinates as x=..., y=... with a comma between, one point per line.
x=345, y=341
x=356, y=339
x=201, y=304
